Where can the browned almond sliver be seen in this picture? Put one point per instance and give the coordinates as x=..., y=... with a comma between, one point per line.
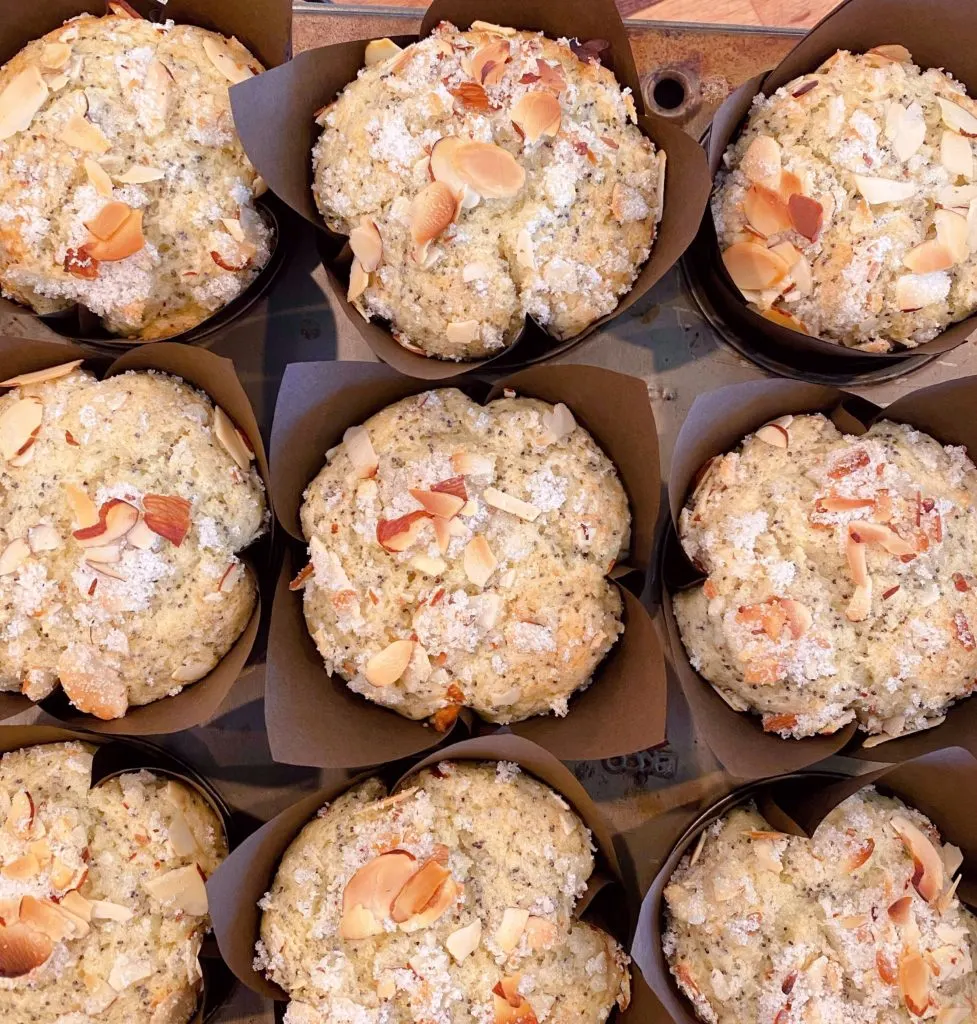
x=900, y=911
x=432, y=210
x=18, y=424
x=379, y=50
x=894, y=52
x=359, y=448
x=168, y=516
x=487, y=64
x=806, y=215
x=929, y=874
x=957, y=118
x=108, y=220
x=13, y=556
x=472, y=96
x=537, y=114
x=439, y=503
x=928, y=257
x=754, y=267
x=508, y=503
x=390, y=664
x=442, y=163
x=22, y=950
x=479, y=561
x=221, y=57
x=81, y=134
x=761, y=162
x=20, y=101
x=419, y=890
x=39, y=376
x=55, y=55
x=490, y=170
x=359, y=281
x=375, y=885
x=231, y=439
x=776, y=432
x=124, y=242
x=914, y=982
x=180, y=891
x=784, y=319
x=115, y=519
x=953, y=232
x=367, y=245
x=766, y=211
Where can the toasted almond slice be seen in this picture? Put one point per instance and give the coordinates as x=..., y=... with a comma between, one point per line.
x=387, y=666
x=957, y=119
x=39, y=376
x=507, y=503
x=98, y=177
x=43, y=538
x=379, y=50
x=914, y=982
x=77, y=905
x=23, y=869
x=489, y=169
x=442, y=533
x=103, y=553
x=221, y=57
x=537, y=114
x=141, y=536
x=13, y=556
x=359, y=923
x=464, y=941
x=784, y=319
x=509, y=932
x=428, y=565
x=558, y=423
x=367, y=245
x=400, y=533
x=359, y=281
x=108, y=220
x=80, y=133
x=22, y=950
x=953, y=232
x=158, y=82
x=180, y=891
x=82, y=507
x=790, y=254
x=115, y=519
x=906, y=129
x=855, y=547
x=928, y=257
x=952, y=859
x=438, y=503
x=492, y=28
x=928, y=876
x=140, y=174
x=884, y=536
x=766, y=211
x=806, y=216
x=125, y=242
x=233, y=228
x=359, y=448
x=479, y=561
x=19, y=423
x=901, y=911
x=22, y=98
x=375, y=886
x=883, y=190
x=754, y=267
x=231, y=439
x=468, y=463
x=54, y=56
x=776, y=432
x=102, y=910
x=462, y=332
x=442, y=163
x=957, y=155
x=799, y=617
x=445, y=896
x=761, y=162
x=487, y=64
x=861, y=603
x=893, y=51
x=45, y=917
x=20, y=817
x=192, y=671
x=419, y=890
x=956, y=196
x=432, y=210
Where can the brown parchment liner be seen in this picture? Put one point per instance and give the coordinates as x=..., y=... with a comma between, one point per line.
x=274, y=115
x=216, y=376
x=941, y=784
x=112, y=757
x=235, y=889
x=263, y=26
x=313, y=718
x=716, y=423
x=939, y=34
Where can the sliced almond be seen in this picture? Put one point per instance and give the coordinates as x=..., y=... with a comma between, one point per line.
x=140, y=174
x=861, y=603
x=13, y=556
x=108, y=220
x=83, y=509
x=22, y=950
x=39, y=376
x=125, y=242
x=928, y=876
x=766, y=211
x=192, y=671
x=861, y=218
x=432, y=210
x=754, y=267
x=953, y=232
x=442, y=163
x=761, y=162
x=82, y=134
x=799, y=617
x=103, y=553
x=479, y=561
x=894, y=52
x=462, y=332
x=379, y=50
x=390, y=664
x=439, y=503
x=19, y=422
x=905, y=127
x=180, y=891
x=883, y=190
x=806, y=216
x=855, y=549
x=957, y=119
x=367, y=245
x=98, y=177
x=775, y=432
x=359, y=281
x=525, y=250
x=232, y=439
x=22, y=869
x=914, y=982
x=490, y=170
x=115, y=519
x=509, y=1005
x=957, y=155
x=537, y=114
x=22, y=98
x=141, y=537
x=20, y=818
x=359, y=448
x=45, y=917
x=221, y=57
x=373, y=889
x=158, y=83
x=784, y=319
x=928, y=257
x=901, y=910
x=76, y=904
x=468, y=463
x=180, y=834
x=464, y=941
x=558, y=423
x=509, y=932
x=399, y=534
x=419, y=890
x=359, y=923
x=487, y=64
x=507, y=503
x=54, y=56
x=884, y=536
x=428, y=565
x=102, y=910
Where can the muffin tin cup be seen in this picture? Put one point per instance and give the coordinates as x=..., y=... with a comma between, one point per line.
x=716, y=424
x=114, y=757
x=289, y=96
x=265, y=28
x=313, y=718
x=937, y=34
x=941, y=784
x=215, y=376
x=235, y=889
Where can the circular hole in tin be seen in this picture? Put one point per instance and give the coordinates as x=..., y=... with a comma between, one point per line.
x=669, y=93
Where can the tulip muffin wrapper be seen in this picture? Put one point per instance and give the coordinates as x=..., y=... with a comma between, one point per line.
x=275, y=113
x=236, y=887
x=314, y=718
x=942, y=785
x=716, y=424
x=265, y=28
x=112, y=758
x=936, y=34
x=217, y=378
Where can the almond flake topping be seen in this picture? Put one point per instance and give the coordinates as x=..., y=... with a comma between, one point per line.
x=22, y=98
x=507, y=503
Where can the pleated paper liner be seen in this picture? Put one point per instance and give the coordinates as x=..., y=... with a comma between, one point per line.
x=265, y=28
x=313, y=718
x=275, y=119
x=114, y=757
x=941, y=784
x=939, y=34
x=215, y=376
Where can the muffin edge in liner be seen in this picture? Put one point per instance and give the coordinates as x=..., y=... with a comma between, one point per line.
x=938, y=784
x=716, y=424
x=218, y=379
x=265, y=28
x=287, y=97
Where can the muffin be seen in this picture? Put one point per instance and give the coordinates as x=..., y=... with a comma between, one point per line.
x=451, y=901
x=123, y=505
x=483, y=177
x=848, y=205
x=124, y=186
x=102, y=901
x=860, y=923
x=840, y=577
x=459, y=557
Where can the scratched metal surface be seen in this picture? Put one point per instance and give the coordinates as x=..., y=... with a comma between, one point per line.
x=663, y=340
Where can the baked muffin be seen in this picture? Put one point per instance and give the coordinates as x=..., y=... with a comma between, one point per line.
x=860, y=923
x=840, y=577
x=123, y=505
x=848, y=206
x=123, y=185
x=102, y=901
x=483, y=177
x=459, y=556
x=450, y=901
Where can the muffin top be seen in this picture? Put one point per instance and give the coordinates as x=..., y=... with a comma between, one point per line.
x=450, y=901
x=848, y=205
x=102, y=901
x=459, y=555
x=483, y=177
x=859, y=924
x=124, y=186
x=123, y=504
x=840, y=577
